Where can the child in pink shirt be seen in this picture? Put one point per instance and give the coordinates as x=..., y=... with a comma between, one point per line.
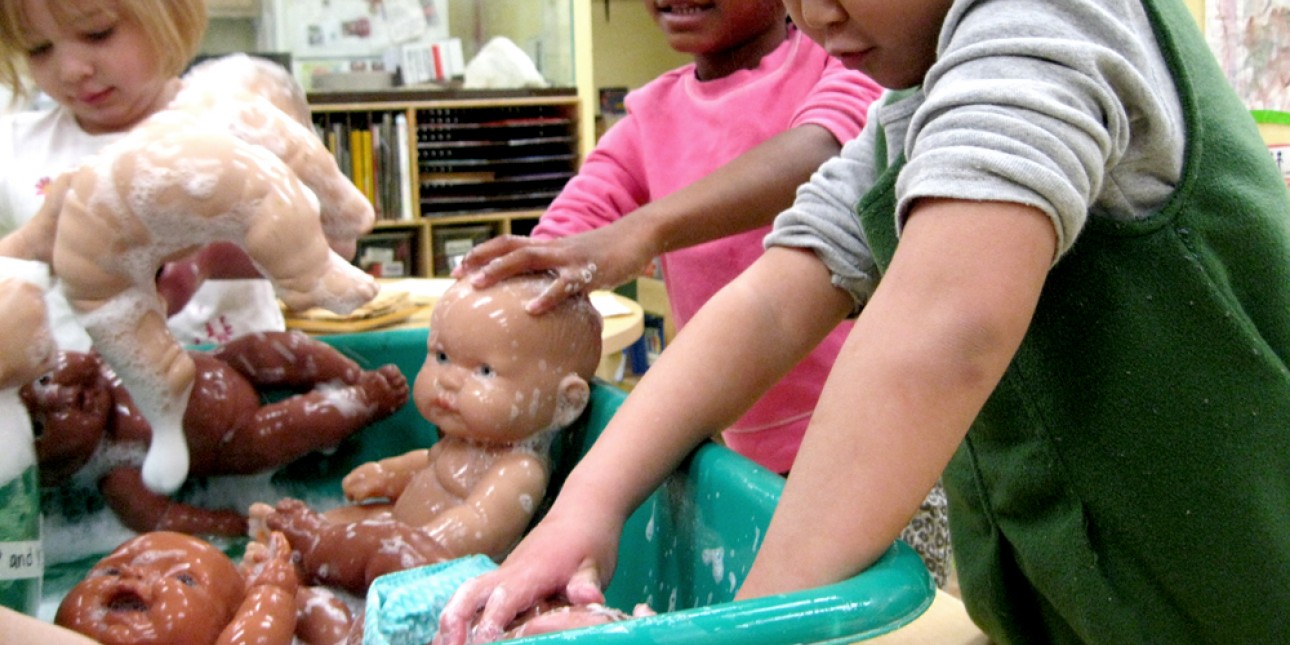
x=707, y=155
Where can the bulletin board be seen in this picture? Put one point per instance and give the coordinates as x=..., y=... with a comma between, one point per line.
x=1251, y=39
x=358, y=28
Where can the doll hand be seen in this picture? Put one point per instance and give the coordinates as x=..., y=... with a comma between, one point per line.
x=599, y=259
x=365, y=482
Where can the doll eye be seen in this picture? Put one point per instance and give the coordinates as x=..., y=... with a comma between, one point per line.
x=441, y=357
x=486, y=371
x=187, y=579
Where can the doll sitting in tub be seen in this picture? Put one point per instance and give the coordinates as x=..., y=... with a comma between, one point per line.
x=231, y=159
x=499, y=383
x=85, y=421
x=165, y=588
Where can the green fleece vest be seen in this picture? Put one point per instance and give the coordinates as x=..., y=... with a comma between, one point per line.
x=1129, y=479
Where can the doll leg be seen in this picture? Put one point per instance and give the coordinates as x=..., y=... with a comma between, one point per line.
x=287, y=359
x=129, y=331
x=350, y=556
x=322, y=618
x=283, y=431
x=345, y=213
x=285, y=239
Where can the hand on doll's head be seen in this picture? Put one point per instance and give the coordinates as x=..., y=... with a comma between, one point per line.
x=494, y=372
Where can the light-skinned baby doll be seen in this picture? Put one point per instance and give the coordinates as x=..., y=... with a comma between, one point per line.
x=498, y=383
x=230, y=159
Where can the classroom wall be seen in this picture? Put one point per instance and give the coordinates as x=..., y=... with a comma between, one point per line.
x=627, y=47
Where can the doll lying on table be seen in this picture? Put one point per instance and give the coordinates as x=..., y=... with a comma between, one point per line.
x=499, y=383
x=81, y=411
x=166, y=588
x=231, y=159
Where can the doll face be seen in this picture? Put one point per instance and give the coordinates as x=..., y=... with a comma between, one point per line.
x=494, y=372
x=69, y=410
x=159, y=587
x=89, y=58
x=894, y=43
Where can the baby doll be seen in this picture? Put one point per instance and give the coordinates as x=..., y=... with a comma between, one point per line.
x=165, y=588
x=231, y=159
x=227, y=428
x=498, y=383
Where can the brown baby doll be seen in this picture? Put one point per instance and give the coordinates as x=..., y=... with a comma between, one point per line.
x=165, y=588
x=81, y=408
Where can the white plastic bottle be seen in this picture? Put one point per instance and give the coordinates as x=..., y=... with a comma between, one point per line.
x=22, y=563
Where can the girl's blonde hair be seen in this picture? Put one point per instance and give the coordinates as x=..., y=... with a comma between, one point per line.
x=174, y=28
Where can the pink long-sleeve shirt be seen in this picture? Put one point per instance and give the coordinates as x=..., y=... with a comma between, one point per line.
x=678, y=130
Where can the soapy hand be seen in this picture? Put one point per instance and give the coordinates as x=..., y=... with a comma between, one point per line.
x=567, y=555
x=599, y=259
x=26, y=348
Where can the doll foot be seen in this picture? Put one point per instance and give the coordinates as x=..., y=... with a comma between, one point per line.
x=341, y=288
x=385, y=388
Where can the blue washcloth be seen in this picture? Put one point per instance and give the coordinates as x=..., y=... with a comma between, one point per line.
x=403, y=607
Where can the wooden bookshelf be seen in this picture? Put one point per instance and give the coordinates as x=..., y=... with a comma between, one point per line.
x=449, y=168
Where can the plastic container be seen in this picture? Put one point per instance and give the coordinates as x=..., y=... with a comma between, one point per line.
x=684, y=551
x=21, y=556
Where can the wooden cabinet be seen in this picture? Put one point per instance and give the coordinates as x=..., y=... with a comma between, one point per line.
x=448, y=169
x=233, y=8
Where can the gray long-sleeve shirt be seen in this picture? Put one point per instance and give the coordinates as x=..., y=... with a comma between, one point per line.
x=1065, y=106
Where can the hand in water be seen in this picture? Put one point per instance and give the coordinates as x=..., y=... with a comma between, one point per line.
x=567, y=556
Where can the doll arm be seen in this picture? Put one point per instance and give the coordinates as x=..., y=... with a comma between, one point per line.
x=142, y=510
x=386, y=478
x=498, y=509
x=268, y=612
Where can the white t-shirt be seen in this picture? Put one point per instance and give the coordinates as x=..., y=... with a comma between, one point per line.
x=37, y=146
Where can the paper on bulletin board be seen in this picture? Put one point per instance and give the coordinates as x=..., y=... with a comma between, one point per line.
x=357, y=28
x=1251, y=39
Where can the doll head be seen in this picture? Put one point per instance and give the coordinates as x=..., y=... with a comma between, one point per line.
x=70, y=410
x=172, y=28
x=496, y=373
x=158, y=587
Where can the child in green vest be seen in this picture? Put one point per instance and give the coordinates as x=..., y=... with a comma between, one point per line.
x=1068, y=254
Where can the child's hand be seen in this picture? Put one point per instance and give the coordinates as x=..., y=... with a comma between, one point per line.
x=599, y=259
x=569, y=556
x=26, y=348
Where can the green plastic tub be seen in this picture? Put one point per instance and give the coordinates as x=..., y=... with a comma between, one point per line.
x=684, y=552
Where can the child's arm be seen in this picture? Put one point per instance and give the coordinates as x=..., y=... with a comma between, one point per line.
x=929, y=348
x=22, y=628
x=746, y=193
x=751, y=333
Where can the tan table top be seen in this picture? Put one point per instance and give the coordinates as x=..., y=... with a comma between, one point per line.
x=624, y=318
